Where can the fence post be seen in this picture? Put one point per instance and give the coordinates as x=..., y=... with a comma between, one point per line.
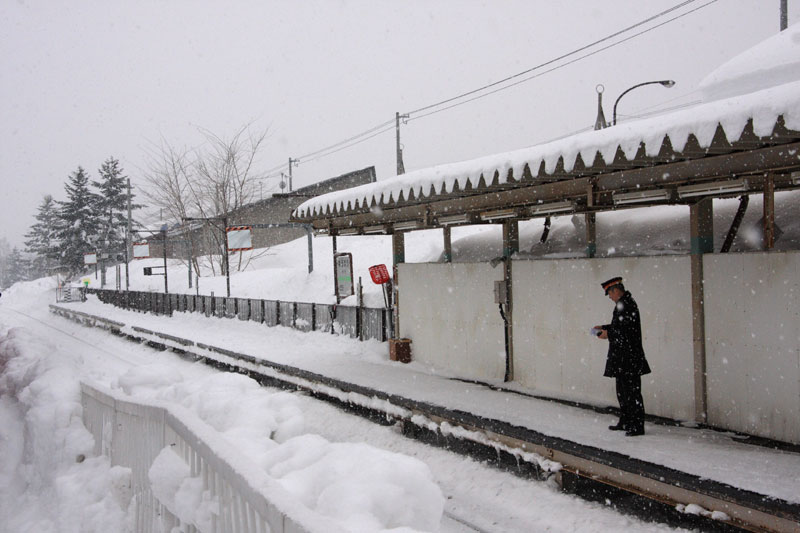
x=313, y=316
x=359, y=323
x=294, y=315
x=263, y=311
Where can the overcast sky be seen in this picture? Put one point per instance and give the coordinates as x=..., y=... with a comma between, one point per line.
x=86, y=80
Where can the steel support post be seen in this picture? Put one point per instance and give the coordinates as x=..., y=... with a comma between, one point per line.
x=333, y=262
x=398, y=256
x=769, y=212
x=510, y=247
x=591, y=224
x=701, y=217
x=448, y=245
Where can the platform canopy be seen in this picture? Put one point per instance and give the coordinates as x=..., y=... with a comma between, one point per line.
x=726, y=146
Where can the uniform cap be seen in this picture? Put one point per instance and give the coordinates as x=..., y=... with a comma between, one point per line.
x=610, y=283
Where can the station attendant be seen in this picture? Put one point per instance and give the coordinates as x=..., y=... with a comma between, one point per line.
x=626, y=360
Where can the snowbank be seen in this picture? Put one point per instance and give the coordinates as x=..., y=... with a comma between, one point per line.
x=772, y=62
x=357, y=486
x=361, y=487
x=49, y=481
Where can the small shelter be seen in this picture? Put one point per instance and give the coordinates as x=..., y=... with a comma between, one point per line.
x=744, y=139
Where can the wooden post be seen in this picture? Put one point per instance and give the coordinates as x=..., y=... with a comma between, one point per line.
x=769, y=212
x=448, y=246
x=398, y=256
x=701, y=218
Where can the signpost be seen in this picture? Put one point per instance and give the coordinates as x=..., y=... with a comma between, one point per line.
x=343, y=263
x=141, y=250
x=240, y=238
x=380, y=276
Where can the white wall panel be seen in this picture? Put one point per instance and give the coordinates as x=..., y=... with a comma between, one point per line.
x=753, y=342
x=448, y=311
x=556, y=302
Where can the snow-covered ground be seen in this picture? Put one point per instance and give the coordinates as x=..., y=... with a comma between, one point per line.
x=358, y=475
x=338, y=465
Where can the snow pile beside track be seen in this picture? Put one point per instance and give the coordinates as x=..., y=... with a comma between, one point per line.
x=357, y=486
x=49, y=481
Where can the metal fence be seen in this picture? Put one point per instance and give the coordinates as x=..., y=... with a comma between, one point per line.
x=133, y=434
x=363, y=323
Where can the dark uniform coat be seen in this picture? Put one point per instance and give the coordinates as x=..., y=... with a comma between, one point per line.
x=625, y=352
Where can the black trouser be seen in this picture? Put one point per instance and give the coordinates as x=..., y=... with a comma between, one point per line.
x=631, y=404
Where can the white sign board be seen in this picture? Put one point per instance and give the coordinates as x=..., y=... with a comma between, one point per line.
x=344, y=275
x=239, y=238
x=141, y=250
x=90, y=259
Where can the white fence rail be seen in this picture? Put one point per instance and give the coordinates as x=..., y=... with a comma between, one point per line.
x=241, y=496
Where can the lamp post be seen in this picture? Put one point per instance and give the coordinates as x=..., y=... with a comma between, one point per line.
x=666, y=83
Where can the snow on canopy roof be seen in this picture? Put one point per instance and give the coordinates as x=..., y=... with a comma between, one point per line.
x=732, y=115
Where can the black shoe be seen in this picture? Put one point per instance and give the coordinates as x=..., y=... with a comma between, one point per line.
x=634, y=432
x=617, y=427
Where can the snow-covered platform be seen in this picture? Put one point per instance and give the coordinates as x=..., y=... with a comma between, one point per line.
x=698, y=470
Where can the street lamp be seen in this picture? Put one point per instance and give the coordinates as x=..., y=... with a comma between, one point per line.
x=666, y=83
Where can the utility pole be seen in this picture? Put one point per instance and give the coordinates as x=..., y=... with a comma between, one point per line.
x=784, y=14
x=291, y=162
x=128, y=251
x=401, y=169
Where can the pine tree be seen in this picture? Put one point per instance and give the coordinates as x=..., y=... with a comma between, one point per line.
x=78, y=225
x=112, y=206
x=17, y=268
x=5, y=253
x=41, y=241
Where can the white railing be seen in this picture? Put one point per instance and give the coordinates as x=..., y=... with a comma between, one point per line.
x=244, y=499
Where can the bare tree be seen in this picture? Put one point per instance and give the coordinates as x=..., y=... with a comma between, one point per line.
x=169, y=174
x=209, y=182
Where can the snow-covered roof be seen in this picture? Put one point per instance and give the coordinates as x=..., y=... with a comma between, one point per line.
x=749, y=119
x=772, y=62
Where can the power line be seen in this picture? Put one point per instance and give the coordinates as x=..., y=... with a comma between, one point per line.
x=554, y=60
x=554, y=68
x=382, y=128
x=390, y=128
x=305, y=157
x=330, y=150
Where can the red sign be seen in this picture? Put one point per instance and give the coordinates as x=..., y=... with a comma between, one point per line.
x=379, y=274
